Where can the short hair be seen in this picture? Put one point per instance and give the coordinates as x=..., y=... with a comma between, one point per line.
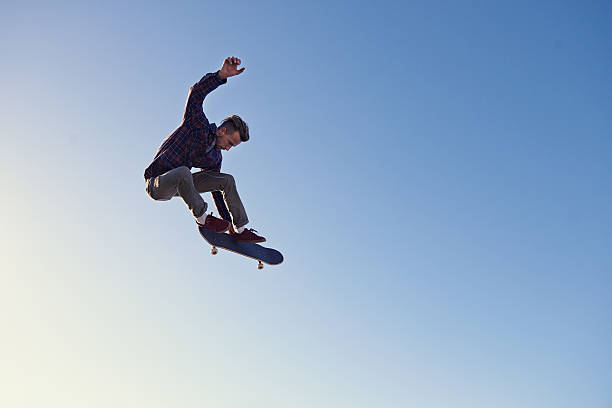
x=235, y=123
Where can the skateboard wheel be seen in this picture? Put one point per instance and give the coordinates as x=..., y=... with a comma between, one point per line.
x=214, y=250
x=260, y=265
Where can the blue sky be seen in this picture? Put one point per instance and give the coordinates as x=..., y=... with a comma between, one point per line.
x=435, y=173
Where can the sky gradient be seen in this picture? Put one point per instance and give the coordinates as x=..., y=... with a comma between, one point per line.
x=436, y=174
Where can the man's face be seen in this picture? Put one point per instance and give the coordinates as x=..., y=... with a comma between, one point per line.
x=226, y=140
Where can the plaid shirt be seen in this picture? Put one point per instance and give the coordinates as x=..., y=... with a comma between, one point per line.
x=192, y=144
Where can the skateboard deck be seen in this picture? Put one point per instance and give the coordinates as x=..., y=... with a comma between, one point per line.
x=249, y=249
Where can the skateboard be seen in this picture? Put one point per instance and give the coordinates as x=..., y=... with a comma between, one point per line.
x=248, y=249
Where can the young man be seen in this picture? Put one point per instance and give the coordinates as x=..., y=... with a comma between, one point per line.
x=198, y=143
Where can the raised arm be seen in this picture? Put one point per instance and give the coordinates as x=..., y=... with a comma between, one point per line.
x=197, y=93
x=208, y=83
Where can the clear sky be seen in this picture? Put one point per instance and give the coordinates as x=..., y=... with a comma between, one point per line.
x=437, y=175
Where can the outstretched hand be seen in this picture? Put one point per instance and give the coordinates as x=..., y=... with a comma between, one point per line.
x=230, y=68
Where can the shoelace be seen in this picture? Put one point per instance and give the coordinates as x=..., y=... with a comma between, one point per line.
x=247, y=229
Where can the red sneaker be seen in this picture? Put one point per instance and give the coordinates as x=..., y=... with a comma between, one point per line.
x=248, y=235
x=215, y=224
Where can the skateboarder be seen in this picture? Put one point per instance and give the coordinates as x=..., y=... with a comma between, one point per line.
x=198, y=143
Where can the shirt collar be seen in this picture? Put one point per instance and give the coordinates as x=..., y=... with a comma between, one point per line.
x=213, y=129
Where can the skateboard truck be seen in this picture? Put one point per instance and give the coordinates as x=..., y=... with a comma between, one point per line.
x=215, y=251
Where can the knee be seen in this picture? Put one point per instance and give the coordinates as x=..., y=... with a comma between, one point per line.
x=183, y=171
x=183, y=174
x=228, y=180
x=152, y=190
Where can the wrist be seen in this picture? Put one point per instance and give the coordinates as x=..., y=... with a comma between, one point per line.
x=221, y=76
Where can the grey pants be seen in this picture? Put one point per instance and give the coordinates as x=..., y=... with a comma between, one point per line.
x=180, y=182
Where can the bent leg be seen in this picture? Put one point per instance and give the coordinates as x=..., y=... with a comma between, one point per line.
x=177, y=182
x=208, y=181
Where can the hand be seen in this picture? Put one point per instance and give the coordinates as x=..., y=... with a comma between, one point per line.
x=230, y=68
